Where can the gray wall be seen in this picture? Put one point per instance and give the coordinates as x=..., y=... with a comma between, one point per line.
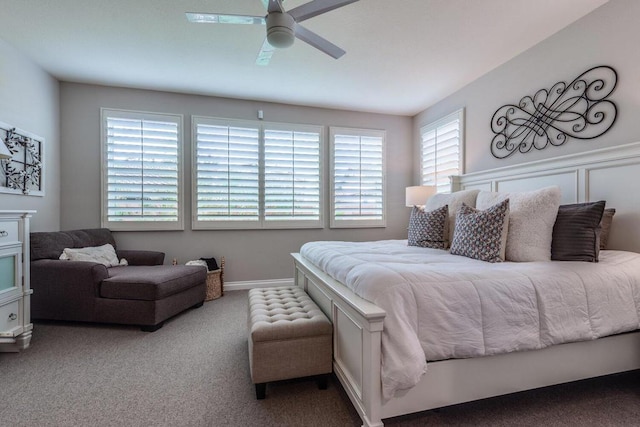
x=29, y=100
x=250, y=254
x=607, y=36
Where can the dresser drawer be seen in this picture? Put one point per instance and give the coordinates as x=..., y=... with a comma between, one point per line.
x=9, y=232
x=10, y=319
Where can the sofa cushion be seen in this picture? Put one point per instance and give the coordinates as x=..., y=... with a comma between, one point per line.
x=49, y=245
x=91, y=237
x=151, y=283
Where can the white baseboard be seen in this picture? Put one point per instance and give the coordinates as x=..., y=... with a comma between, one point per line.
x=250, y=284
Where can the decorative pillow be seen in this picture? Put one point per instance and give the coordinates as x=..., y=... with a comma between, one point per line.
x=576, y=232
x=428, y=229
x=532, y=215
x=104, y=254
x=454, y=201
x=481, y=234
x=605, y=227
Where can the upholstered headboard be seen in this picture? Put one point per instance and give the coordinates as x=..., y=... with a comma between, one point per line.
x=609, y=174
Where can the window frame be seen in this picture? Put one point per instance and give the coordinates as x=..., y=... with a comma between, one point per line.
x=295, y=223
x=221, y=224
x=458, y=115
x=356, y=223
x=105, y=114
x=262, y=223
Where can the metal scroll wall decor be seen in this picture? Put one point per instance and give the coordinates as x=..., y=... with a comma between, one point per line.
x=23, y=171
x=578, y=110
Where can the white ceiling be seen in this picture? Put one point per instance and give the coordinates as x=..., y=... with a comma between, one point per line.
x=402, y=56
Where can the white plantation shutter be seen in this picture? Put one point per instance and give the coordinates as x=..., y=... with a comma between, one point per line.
x=292, y=173
x=227, y=173
x=441, y=151
x=256, y=175
x=142, y=172
x=357, y=178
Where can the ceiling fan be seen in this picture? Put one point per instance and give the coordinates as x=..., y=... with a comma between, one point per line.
x=282, y=26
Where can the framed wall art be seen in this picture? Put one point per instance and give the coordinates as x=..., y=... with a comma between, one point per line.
x=23, y=173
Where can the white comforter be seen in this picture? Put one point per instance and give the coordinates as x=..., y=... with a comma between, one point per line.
x=442, y=306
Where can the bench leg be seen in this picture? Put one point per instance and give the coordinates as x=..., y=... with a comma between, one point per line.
x=261, y=390
x=322, y=381
x=151, y=328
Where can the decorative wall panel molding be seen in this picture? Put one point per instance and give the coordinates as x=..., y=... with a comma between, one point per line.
x=577, y=110
x=23, y=173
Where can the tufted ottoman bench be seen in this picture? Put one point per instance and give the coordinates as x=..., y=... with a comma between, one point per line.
x=289, y=337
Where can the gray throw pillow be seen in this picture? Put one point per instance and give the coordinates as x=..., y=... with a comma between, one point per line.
x=454, y=201
x=605, y=227
x=481, y=234
x=576, y=232
x=428, y=229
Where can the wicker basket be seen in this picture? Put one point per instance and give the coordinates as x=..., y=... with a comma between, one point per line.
x=215, y=283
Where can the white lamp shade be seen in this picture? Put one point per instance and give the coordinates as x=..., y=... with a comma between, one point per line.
x=418, y=194
x=4, y=151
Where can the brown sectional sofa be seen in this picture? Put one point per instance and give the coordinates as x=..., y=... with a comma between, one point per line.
x=144, y=293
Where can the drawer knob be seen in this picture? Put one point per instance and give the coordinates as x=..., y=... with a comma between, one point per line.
x=3, y=233
x=13, y=316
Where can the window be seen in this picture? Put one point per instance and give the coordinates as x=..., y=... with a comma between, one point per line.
x=357, y=178
x=227, y=172
x=441, y=151
x=142, y=172
x=256, y=175
x=291, y=175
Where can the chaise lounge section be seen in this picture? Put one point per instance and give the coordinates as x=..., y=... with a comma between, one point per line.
x=143, y=293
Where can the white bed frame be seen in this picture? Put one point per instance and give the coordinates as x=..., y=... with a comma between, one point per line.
x=608, y=174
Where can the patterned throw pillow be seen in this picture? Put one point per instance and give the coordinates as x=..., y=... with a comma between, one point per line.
x=428, y=229
x=454, y=201
x=481, y=234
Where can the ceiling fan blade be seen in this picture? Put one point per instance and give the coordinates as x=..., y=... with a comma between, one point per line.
x=266, y=51
x=275, y=6
x=318, y=42
x=216, y=18
x=317, y=7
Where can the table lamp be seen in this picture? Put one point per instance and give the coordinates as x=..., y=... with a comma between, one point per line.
x=418, y=194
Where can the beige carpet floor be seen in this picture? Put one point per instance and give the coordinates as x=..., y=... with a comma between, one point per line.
x=194, y=372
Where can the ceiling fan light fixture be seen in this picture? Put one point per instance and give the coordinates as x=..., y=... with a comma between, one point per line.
x=280, y=30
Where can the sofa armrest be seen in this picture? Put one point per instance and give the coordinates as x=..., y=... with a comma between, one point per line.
x=65, y=289
x=135, y=257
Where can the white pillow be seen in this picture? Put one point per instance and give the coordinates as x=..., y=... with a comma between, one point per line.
x=104, y=254
x=454, y=201
x=532, y=215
